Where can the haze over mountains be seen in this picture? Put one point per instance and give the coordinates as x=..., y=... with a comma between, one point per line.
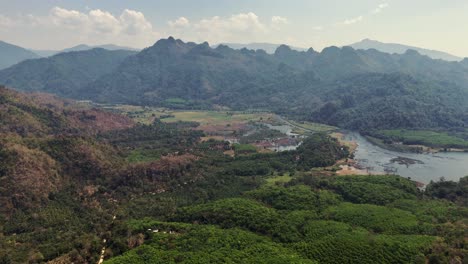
x=11, y=54
x=365, y=44
x=64, y=71
x=81, y=47
x=400, y=49
x=256, y=135
x=268, y=47
x=358, y=89
x=172, y=154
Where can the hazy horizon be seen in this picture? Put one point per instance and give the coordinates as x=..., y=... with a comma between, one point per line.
x=429, y=24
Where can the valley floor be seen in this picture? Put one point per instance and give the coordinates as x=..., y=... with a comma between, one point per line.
x=81, y=185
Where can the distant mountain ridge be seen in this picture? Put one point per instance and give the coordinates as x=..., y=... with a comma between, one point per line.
x=11, y=54
x=268, y=47
x=308, y=83
x=338, y=86
x=400, y=49
x=62, y=72
x=81, y=47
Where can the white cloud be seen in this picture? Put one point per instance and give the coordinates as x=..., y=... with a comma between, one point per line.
x=244, y=22
x=240, y=22
x=103, y=22
x=358, y=19
x=240, y=27
x=380, y=8
x=318, y=28
x=134, y=23
x=96, y=26
x=353, y=20
x=233, y=28
x=277, y=22
x=5, y=21
x=71, y=18
x=68, y=27
x=130, y=22
x=181, y=22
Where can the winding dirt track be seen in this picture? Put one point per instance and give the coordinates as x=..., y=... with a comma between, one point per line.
x=104, y=241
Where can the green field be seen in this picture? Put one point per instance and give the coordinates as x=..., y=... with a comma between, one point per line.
x=304, y=127
x=139, y=114
x=146, y=115
x=425, y=137
x=244, y=148
x=216, y=117
x=272, y=181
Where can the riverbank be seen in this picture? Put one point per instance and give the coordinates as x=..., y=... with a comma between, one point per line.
x=340, y=136
x=421, y=141
x=348, y=169
x=349, y=166
x=421, y=167
x=421, y=149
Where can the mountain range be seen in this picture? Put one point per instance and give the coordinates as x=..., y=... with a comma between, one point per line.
x=268, y=47
x=365, y=44
x=84, y=184
x=357, y=89
x=64, y=71
x=81, y=47
x=400, y=49
x=12, y=54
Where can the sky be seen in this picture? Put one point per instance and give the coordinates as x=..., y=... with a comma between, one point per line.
x=57, y=24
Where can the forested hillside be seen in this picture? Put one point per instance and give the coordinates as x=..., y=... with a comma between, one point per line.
x=373, y=100
x=63, y=73
x=254, y=136
x=11, y=54
x=339, y=86
x=71, y=184
x=400, y=49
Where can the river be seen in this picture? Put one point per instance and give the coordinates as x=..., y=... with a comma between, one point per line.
x=427, y=167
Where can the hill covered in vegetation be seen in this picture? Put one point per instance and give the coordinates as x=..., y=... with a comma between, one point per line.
x=11, y=54
x=357, y=89
x=62, y=73
x=400, y=48
x=70, y=186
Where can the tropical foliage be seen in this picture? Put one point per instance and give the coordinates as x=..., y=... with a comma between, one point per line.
x=75, y=180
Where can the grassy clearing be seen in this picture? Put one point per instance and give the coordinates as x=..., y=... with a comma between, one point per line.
x=278, y=179
x=425, y=137
x=216, y=117
x=140, y=155
x=244, y=148
x=352, y=145
x=397, y=147
x=140, y=114
x=147, y=115
x=304, y=127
